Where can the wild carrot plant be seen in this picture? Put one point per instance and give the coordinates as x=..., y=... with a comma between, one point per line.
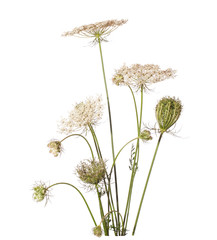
x=85, y=117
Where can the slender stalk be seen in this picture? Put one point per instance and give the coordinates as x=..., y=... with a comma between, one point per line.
x=120, y=152
x=83, y=138
x=108, y=191
x=111, y=131
x=102, y=212
x=136, y=159
x=110, y=213
x=135, y=106
x=80, y=194
x=146, y=184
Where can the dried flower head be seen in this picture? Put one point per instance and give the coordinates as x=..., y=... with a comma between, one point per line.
x=145, y=135
x=55, y=147
x=138, y=76
x=98, y=31
x=167, y=112
x=97, y=231
x=91, y=172
x=82, y=116
x=40, y=192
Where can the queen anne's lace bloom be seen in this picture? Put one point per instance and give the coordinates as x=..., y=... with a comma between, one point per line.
x=98, y=31
x=138, y=75
x=84, y=114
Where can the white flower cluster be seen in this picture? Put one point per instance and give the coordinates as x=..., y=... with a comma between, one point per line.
x=98, y=29
x=138, y=75
x=84, y=114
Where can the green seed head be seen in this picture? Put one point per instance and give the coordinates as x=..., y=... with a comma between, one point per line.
x=97, y=231
x=91, y=171
x=167, y=112
x=145, y=135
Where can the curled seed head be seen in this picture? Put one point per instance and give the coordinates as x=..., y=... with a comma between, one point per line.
x=167, y=112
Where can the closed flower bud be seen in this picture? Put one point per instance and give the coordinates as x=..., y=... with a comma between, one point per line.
x=167, y=112
x=145, y=135
x=55, y=147
x=97, y=231
x=118, y=79
x=40, y=192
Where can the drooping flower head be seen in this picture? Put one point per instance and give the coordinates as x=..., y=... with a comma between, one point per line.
x=97, y=231
x=168, y=111
x=40, y=192
x=85, y=113
x=91, y=172
x=97, y=31
x=137, y=76
x=55, y=147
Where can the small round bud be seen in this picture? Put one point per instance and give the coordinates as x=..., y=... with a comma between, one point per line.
x=55, y=147
x=167, y=112
x=118, y=79
x=145, y=135
x=97, y=231
x=40, y=192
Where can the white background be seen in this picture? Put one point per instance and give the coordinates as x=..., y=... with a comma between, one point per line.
x=42, y=74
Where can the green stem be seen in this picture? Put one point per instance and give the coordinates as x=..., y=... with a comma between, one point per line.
x=119, y=153
x=136, y=111
x=146, y=184
x=79, y=193
x=111, y=131
x=83, y=138
x=110, y=213
x=136, y=159
x=108, y=190
x=102, y=212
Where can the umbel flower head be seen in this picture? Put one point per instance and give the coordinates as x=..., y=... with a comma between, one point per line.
x=97, y=231
x=92, y=171
x=138, y=76
x=40, y=192
x=55, y=147
x=167, y=112
x=98, y=31
x=83, y=115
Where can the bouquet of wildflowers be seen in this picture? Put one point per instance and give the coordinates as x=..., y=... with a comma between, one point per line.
x=84, y=118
